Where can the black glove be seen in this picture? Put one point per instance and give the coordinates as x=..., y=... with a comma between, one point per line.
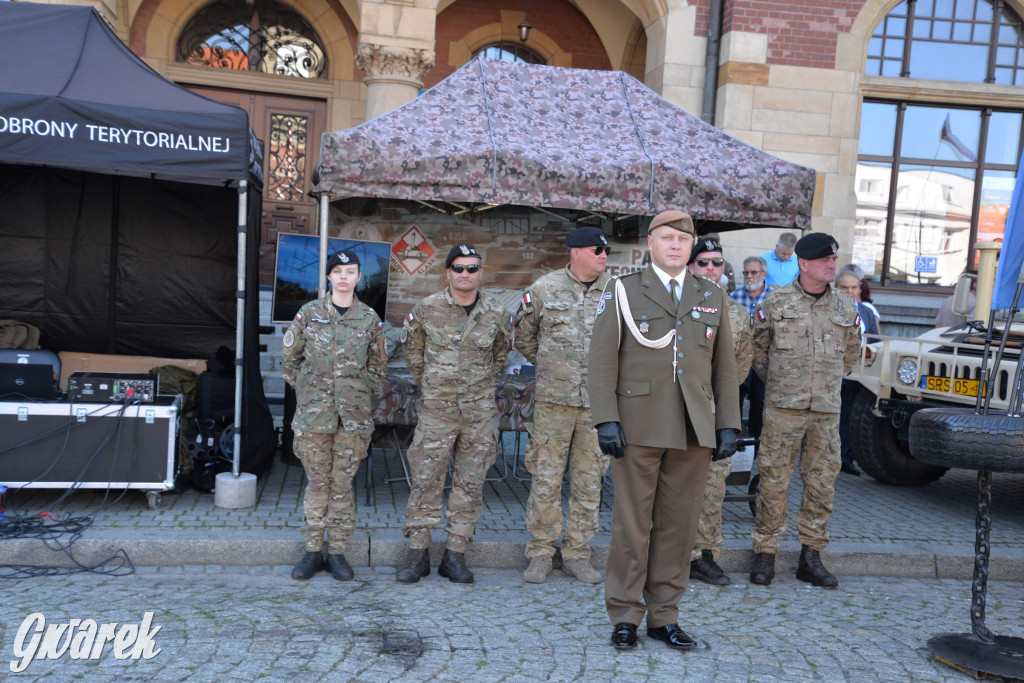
x=726, y=448
x=612, y=440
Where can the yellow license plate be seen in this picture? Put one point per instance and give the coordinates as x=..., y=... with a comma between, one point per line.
x=963, y=387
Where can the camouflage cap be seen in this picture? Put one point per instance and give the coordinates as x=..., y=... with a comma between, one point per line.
x=341, y=258
x=677, y=220
x=462, y=249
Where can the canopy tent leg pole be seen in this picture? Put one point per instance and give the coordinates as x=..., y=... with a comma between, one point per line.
x=236, y=490
x=243, y=196
x=322, y=207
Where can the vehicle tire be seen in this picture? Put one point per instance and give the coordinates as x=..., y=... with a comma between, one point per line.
x=879, y=451
x=957, y=437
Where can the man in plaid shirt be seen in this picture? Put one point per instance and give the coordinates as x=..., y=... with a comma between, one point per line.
x=753, y=291
x=751, y=294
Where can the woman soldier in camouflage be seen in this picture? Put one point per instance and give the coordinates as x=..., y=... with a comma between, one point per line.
x=334, y=358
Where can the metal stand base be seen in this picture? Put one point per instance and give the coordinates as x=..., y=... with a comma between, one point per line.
x=967, y=653
x=981, y=653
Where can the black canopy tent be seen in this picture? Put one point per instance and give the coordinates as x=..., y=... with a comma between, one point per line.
x=124, y=206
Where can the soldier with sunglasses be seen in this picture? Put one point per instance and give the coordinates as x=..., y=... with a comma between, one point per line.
x=553, y=331
x=706, y=260
x=455, y=344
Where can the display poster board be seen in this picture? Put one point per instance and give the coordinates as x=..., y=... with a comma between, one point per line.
x=297, y=273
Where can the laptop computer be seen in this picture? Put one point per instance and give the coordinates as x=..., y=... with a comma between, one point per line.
x=27, y=381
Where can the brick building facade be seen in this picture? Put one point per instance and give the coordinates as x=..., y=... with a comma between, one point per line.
x=799, y=79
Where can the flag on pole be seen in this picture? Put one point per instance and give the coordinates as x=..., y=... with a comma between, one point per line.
x=1012, y=255
x=948, y=136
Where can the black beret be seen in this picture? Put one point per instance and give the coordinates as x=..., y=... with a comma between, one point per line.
x=676, y=220
x=461, y=249
x=815, y=245
x=704, y=244
x=586, y=237
x=341, y=258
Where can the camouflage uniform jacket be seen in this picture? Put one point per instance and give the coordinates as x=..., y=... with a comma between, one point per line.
x=553, y=331
x=450, y=354
x=804, y=346
x=334, y=363
x=742, y=338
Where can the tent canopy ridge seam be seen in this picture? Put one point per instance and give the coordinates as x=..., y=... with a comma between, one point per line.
x=490, y=128
x=639, y=136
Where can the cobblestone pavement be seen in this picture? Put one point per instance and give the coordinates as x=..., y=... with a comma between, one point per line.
x=939, y=516
x=233, y=623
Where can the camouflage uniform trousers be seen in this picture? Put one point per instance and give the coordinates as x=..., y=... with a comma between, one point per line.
x=709, y=526
x=785, y=431
x=471, y=428
x=558, y=432
x=330, y=462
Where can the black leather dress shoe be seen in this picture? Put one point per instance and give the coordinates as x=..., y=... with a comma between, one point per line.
x=624, y=636
x=673, y=636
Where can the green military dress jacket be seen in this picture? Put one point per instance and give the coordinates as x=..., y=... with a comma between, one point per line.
x=633, y=385
x=803, y=347
x=334, y=363
x=553, y=329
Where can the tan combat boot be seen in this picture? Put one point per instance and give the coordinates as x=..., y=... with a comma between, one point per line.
x=582, y=570
x=538, y=570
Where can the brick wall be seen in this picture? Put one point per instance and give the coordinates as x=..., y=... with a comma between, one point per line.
x=556, y=18
x=800, y=32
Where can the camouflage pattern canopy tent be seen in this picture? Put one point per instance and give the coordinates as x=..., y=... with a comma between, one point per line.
x=508, y=133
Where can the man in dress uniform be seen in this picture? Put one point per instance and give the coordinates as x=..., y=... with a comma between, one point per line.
x=663, y=394
x=806, y=338
x=553, y=328
x=706, y=260
x=456, y=343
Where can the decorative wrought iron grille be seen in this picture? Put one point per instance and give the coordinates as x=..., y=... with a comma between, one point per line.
x=286, y=157
x=253, y=36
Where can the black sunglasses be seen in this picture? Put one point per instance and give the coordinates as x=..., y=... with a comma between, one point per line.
x=703, y=262
x=459, y=268
x=751, y=272
x=602, y=250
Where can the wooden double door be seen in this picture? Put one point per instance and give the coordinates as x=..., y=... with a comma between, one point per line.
x=290, y=128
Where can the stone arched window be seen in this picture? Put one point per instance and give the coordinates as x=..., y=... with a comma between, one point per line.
x=975, y=41
x=510, y=52
x=940, y=138
x=261, y=36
